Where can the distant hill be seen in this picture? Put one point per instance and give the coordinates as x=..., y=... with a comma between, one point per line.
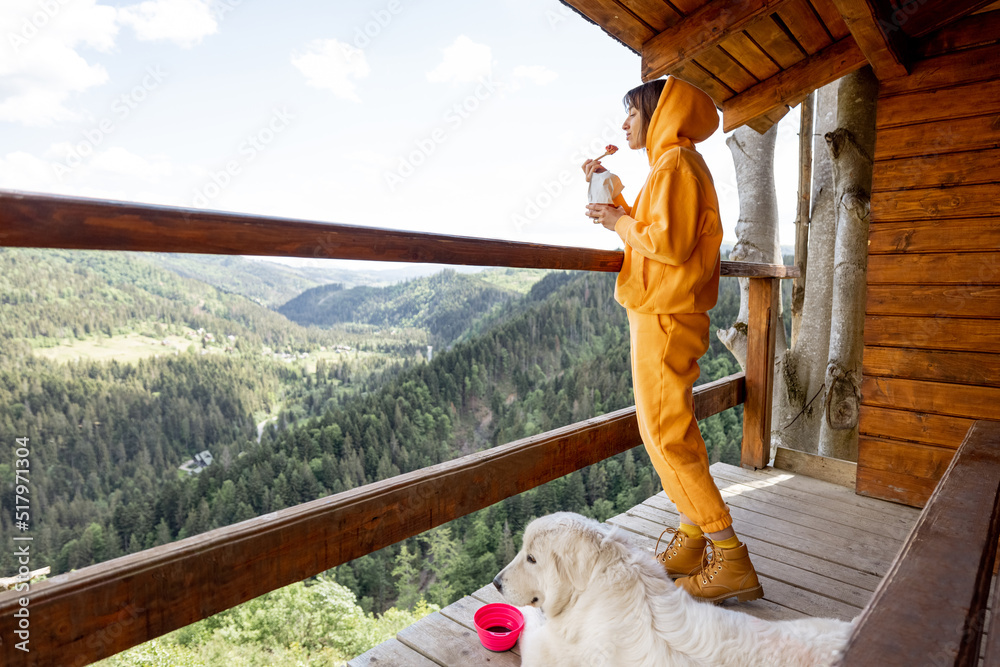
x=51, y=296
x=267, y=283
x=271, y=283
x=445, y=304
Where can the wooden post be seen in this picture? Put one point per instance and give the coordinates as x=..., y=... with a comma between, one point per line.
x=802, y=215
x=762, y=325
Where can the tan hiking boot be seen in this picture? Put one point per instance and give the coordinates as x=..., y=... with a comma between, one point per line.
x=725, y=573
x=683, y=555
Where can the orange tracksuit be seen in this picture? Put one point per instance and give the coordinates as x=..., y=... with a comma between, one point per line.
x=668, y=282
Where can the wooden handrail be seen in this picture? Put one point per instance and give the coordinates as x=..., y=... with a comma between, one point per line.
x=89, y=614
x=32, y=220
x=991, y=645
x=930, y=608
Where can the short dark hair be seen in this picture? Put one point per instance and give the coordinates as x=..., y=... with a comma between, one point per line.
x=644, y=98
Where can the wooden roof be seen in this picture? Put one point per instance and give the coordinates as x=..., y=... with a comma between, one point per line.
x=758, y=58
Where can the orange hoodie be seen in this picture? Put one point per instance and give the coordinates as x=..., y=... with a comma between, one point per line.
x=672, y=233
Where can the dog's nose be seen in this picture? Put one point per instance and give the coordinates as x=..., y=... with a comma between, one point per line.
x=498, y=583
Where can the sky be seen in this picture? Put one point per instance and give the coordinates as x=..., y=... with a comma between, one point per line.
x=446, y=116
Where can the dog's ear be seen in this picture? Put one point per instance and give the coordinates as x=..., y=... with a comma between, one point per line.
x=560, y=588
x=571, y=567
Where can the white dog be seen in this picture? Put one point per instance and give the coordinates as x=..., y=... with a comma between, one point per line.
x=601, y=602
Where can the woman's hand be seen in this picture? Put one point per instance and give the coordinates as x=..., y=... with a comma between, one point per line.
x=591, y=167
x=605, y=215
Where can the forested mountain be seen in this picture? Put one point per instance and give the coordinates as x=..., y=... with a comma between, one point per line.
x=103, y=434
x=445, y=304
x=267, y=283
x=271, y=283
x=49, y=296
x=107, y=437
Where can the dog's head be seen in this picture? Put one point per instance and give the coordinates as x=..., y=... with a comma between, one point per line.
x=559, y=556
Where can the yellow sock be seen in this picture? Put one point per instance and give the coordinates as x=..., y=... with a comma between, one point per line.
x=728, y=543
x=690, y=531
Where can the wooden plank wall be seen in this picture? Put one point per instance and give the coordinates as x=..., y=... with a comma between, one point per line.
x=932, y=326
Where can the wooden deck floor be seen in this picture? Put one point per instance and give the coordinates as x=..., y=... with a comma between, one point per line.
x=819, y=549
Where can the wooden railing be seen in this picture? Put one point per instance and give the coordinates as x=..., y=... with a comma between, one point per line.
x=92, y=613
x=930, y=608
x=49, y=221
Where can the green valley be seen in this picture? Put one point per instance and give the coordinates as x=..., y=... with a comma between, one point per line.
x=120, y=369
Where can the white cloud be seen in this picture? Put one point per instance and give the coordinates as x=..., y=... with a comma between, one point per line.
x=536, y=74
x=331, y=65
x=23, y=171
x=118, y=161
x=185, y=22
x=368, y=158
x=115, y=173
x=464, y=61
x=40, y=65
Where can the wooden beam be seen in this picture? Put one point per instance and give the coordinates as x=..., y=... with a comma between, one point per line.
x=755, y=270
x=975, y=98
x=970, y=368
x=700, y=31
x=95, y=612
x=921, y=17
x=763, y=123
x=931, y=605
x=908, y=425
x=972, y=334
x=761, y=332
x=991, y=655
x=835, y=471
x=935, y=398
x=944, y=71
x=30, y=220
x=883, y=43
x=616, y=19
x=935, y=170
x=970, y=32
x=799, y=80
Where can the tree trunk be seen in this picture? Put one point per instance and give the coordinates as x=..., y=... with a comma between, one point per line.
x=802, y=211
x=800, y=375
x=757, y=228
x=852, y=146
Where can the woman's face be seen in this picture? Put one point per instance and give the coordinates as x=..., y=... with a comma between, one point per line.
x=632, y=126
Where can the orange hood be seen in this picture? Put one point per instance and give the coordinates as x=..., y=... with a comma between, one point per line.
x=673, y=231
x=684, y=116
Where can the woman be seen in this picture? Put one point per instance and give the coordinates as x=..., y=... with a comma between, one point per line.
x=668, y=281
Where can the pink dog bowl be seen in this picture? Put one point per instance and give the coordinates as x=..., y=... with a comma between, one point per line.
x=498, y=625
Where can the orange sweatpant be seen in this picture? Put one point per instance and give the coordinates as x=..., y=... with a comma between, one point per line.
x=665, y=353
